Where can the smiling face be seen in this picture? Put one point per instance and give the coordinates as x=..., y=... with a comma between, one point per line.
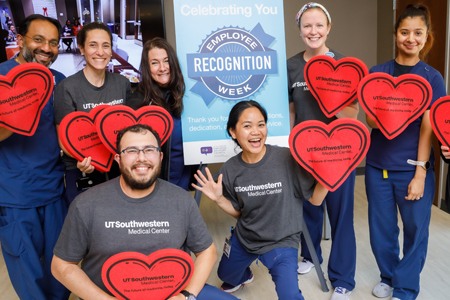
x=314, y=28
x=411, y=37
x=251, y=134
x=159, y=66
x=140, y=172
x=97, y=49
x=40, y=44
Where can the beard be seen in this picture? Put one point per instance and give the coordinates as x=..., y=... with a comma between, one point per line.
x=29, y=56
x=140, y=185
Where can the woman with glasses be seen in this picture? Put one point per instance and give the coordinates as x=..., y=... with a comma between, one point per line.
x=162, y=84
x=85, y=90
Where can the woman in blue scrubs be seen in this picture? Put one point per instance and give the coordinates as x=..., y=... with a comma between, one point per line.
x=394, y=184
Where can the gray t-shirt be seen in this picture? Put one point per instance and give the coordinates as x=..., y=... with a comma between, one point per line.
x=306, y=106
x=76, y=93
x=269, y=196
x=103, y=221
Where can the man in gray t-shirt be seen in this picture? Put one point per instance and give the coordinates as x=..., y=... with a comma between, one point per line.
x=136, y=212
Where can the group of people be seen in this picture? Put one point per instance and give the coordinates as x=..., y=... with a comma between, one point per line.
x=70, y=30
x=37, y=186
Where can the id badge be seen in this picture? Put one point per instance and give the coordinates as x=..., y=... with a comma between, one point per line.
x=227, y=247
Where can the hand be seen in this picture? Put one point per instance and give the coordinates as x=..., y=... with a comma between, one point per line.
x=208, y=186
x=445, y=151
x=178, y=297
x=415, y=188
x=85, y=165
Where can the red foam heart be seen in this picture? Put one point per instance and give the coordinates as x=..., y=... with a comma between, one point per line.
x=113, y=119
x=334, y=83
x=159, y=276
x=394, y=103
x=24, y=92
x=330, y=152
x=79, y=137
x=440, y=119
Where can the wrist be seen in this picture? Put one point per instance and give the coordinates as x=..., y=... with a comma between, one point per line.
x=421, y=173
x=188, y=295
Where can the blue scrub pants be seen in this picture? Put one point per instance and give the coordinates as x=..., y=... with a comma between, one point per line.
x=213, y=293
x=342, y=261
x=385, y=196
x=281, y=262
x=27, y=237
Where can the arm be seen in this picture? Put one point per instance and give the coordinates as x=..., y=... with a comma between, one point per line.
x=84, y=165
x=292, y=114
x=213, y=191
x=318, y=195
x=203, y=264
x=371, y=122
x=417, y=184
x=76, y=280
x=5, y=133
x=350, y=111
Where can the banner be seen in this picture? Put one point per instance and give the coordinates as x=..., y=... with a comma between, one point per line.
x=230, y=51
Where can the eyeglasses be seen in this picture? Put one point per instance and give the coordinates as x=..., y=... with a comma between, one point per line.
x=41, y=41
x=149, y=151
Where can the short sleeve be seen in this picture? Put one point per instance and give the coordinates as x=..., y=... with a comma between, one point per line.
x=198, y=238
x=63, y=103
x=72, y=244
x=305, y=183
x=438, y=87
x=227, y=189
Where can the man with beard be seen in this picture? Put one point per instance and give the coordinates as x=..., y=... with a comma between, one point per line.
x=135, y=212
x=32, y=206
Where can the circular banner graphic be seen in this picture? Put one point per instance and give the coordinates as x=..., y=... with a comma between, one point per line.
x=232, y=63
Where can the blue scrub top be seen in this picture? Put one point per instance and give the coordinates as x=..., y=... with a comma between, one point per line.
x=31, y=172
x=392, y=154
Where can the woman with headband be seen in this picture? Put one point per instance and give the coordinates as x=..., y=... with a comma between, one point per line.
x=314, y=24
x=399, y=172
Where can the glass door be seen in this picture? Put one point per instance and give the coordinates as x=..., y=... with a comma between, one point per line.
x=90, y=11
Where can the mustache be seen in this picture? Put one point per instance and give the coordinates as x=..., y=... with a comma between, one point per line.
x=39, y=51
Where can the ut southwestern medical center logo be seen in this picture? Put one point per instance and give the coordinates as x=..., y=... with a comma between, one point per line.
x=232, y=63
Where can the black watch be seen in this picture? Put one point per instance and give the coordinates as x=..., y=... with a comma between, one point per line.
x=188, y=295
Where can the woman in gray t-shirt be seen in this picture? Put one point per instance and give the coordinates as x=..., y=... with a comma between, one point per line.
x=262, y=187
x=84, y=90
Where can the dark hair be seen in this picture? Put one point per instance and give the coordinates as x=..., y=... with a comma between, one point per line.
x=137, y=128
x=25, y=24
x=149, y=88
x=76, y=21
x=237, y=111
x=68, y=20
x=82, y=34
x=422, y=12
